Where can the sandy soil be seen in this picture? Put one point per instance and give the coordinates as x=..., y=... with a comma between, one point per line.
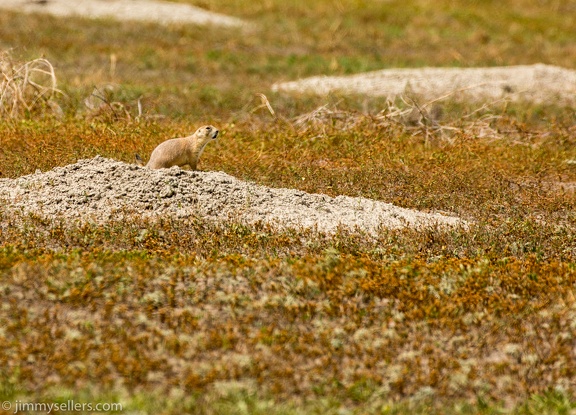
x=537, y=83
x=139, y=10
x=101, y=189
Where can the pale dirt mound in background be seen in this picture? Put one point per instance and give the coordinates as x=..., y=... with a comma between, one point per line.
x=139, y=10
x=100, y=189
x=536, y=83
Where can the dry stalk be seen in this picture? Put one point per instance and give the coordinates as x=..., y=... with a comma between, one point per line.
x=27, y=88
x=265, y=103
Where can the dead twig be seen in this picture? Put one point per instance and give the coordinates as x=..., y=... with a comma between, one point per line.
x=108, y=109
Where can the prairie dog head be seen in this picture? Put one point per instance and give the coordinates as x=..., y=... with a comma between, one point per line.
x=206, y=133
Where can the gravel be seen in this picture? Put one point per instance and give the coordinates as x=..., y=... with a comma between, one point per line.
x=101, y=189
x=537, y=83
x=136, y=10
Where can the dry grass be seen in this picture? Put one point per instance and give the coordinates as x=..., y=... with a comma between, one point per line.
x=418, y=120
x=27, y=88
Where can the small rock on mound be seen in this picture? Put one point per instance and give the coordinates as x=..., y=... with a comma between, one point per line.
x=101, y=189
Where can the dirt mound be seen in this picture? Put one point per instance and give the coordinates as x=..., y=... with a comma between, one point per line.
x=140, y=10
x=101, y=189
x=537, y=83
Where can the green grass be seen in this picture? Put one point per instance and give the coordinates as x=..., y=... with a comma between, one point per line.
x=172, y=68
x=194, y=317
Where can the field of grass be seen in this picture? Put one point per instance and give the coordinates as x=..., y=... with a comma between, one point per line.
x=190, y=316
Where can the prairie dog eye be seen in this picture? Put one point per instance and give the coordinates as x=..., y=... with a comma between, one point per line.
x=208, y=128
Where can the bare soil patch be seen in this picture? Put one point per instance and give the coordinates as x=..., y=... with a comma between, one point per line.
x=101, y=189
x=139, y=10
x=535, y=83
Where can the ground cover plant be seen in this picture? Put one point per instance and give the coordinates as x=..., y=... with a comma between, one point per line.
x=191, y=316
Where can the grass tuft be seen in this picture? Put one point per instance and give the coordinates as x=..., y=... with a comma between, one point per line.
x=27, y=88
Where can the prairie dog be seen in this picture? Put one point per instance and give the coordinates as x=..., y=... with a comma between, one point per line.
x=181, y=151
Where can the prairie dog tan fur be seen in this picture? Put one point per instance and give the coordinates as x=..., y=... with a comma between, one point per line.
x=181, y=151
